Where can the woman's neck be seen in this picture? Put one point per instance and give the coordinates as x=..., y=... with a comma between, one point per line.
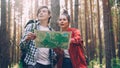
x=65, y=29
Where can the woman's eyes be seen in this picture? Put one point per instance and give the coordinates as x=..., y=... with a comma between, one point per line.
x=44, y=11
x=60, y=19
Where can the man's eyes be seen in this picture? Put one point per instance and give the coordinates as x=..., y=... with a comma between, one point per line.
x=42, y=11
x=62, y=19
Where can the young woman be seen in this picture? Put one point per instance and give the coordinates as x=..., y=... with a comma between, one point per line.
x=36, y=57
x=74, y=56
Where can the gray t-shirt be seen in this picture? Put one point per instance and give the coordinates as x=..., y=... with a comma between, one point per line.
x=42, y=55
x=66, y=53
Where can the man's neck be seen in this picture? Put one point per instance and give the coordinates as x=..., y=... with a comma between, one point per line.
x=44, y=23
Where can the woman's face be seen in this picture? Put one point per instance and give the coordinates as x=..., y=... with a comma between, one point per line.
x=43, y=14
x=63, y=22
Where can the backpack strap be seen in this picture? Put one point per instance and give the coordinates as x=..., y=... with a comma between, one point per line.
x=50, y=28
x=34, y=25
x=30, y=21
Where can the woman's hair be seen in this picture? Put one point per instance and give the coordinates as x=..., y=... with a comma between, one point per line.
x=46, y=8
x=65, y=12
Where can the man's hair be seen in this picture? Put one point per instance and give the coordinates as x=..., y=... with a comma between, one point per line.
x=42, y=8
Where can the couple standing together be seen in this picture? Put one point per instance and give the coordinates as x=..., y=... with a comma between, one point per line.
x=33, y=57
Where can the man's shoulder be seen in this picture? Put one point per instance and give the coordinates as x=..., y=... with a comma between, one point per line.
x=30, y=22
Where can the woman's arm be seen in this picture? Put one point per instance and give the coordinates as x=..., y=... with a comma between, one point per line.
x=76, y=38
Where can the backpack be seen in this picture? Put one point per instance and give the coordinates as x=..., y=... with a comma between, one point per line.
x=22, y=64
x=30, y=21
x=34, y=26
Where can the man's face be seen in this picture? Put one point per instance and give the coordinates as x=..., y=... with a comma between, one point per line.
x=43, y=14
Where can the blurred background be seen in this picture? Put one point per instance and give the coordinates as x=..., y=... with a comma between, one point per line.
x=97, y=20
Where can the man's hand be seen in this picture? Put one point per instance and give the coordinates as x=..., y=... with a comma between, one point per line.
x=30, y=36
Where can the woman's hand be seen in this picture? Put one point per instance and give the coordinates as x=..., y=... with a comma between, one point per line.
x=72, y=40
x=30, y=36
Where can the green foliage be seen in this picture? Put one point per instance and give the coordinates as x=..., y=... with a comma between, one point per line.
x=112, y=2
x=20, y=65
x=95, y=64
x=92, y=63
x=115, y=63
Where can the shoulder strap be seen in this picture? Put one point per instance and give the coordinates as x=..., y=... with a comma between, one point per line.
x=30, y=21
x=50, y=28
x=34, y=26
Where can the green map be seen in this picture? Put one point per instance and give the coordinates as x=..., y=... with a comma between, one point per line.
x=52, y=39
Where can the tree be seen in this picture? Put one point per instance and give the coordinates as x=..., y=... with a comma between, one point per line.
x=36, y=7
x=118, y=5
x=76, y=14
x=86, y=30
x=108, y=33
x=99, y=33
x=80, y=18
x=66, y=4
x=4, y=40
x=92, y=53
x=71, y=12
x=55, y=10
x=9, y=27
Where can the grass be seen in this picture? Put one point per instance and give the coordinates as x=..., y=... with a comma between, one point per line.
x=115, y=63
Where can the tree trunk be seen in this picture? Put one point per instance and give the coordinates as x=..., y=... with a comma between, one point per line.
x=91, y=32
x=118, y=29
x=99, y=33
x=21, y=18
x=76, y=14
x=86, y=31
x=66, y=4
x=71, y=12
x=80, y=22
x=55, y=7
x=108, y=33
x=4, y=40
x=46, y=2
x=36, y=8
x=9, y=29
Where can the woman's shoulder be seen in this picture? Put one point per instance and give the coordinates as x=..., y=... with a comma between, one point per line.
x=73, y=29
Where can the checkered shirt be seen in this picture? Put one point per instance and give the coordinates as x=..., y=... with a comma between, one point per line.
x=31, y=49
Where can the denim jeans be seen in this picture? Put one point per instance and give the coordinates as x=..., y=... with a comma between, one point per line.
x=38, y=65
x=29, y=66
x=67, y=63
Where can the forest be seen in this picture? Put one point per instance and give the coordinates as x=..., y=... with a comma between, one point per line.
x=97, y=20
